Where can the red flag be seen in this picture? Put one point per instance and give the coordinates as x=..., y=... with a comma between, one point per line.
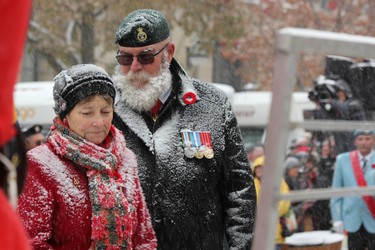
x=14, y=17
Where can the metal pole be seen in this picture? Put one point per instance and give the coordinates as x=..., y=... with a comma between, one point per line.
x=276, y=139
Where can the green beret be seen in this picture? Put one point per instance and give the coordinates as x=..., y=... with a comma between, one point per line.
x=141, y=28
x=359, y=132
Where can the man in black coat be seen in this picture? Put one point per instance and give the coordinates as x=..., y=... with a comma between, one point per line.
x=193, y=168
x=339, y=104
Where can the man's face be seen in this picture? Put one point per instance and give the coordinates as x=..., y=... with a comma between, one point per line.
x=142, y=85
x=364, y=143
x=34, y=141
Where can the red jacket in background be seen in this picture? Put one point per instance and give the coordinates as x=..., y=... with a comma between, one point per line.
x=14, y=17
x=12, y=233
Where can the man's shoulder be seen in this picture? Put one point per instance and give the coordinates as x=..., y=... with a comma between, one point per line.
x=208, y=91
x=205, y=90
x=343, y=156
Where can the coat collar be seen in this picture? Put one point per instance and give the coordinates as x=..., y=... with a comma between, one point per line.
x=186, y=92
x=135, y=122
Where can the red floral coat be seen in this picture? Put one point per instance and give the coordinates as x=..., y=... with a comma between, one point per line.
x=55, y=207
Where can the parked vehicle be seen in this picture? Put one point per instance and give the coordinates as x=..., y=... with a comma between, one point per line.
x=252, y=109
x=34, y=105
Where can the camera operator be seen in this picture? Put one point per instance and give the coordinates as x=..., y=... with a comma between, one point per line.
x=335, y=101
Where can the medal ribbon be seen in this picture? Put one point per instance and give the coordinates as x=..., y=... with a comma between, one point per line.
x=185, y=138
x=197, y=138
x=192, y=138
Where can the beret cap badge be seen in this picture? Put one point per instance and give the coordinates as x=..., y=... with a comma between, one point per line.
x=141, y=35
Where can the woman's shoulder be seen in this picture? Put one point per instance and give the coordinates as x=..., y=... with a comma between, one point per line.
x=42, y=154
x=45, y=161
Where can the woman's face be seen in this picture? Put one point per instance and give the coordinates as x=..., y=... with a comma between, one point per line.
x=91, y=118
x=293, y=171
x=258, y=172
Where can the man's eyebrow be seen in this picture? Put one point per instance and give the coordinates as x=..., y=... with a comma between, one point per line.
x=143, y=51
x=147, y=50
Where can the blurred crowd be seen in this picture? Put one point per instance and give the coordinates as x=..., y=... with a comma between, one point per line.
x=309, y=164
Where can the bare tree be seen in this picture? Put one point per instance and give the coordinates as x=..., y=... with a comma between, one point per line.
x=66, y=32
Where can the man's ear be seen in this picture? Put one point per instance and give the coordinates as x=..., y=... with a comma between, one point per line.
x=170, y=52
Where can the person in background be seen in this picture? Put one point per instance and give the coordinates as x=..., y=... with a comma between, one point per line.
x=192, y=163
x=253, y=151
x=296, y=181
x=292, y=167
x=82, y=189
x=356, y=214
x=249, y=148
x=258, y=151
x=284, y=205
x=340, y=104
x=317, y=215
x=327, y=160
x=14, y=16
x=33, y=136
x=299, y=145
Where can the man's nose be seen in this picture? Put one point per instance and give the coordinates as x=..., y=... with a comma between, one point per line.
x=136, y=65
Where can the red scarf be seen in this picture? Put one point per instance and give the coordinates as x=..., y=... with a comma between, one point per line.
x=110, y=215
x=360, y=177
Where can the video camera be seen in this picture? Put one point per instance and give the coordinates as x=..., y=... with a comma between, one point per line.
x=336, y=72
x=324, y=90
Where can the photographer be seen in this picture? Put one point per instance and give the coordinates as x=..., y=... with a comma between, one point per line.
x=335, y=101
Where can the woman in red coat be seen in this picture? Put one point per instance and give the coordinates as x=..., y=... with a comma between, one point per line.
x=82, y=189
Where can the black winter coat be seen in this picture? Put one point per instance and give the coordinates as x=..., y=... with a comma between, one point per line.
x=194, y=203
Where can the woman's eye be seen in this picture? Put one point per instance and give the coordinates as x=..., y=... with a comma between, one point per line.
x=106, y=112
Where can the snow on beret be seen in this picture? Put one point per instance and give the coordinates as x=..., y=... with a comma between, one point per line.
x=359, y=132
x=78, y=82
x=141, y=28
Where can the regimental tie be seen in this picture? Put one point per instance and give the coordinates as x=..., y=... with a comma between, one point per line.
x=364, y=164
x=155, y=109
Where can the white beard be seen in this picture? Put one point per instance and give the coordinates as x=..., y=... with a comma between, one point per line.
x=139, y=90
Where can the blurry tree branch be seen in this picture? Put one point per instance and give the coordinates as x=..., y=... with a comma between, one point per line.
x=66, y=32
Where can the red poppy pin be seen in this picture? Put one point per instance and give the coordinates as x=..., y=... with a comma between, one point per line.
x=189, y=98
x=373, y=166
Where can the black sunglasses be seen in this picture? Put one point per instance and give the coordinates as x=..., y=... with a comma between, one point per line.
x=126, y=59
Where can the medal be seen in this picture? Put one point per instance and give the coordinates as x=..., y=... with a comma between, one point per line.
x=203, y=148
x=189, y=152
x=206, y=141
x=209, y=153
x=198, y=154
x=198, y=145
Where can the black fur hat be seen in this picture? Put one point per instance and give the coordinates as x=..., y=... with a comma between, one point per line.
x=78, y=82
